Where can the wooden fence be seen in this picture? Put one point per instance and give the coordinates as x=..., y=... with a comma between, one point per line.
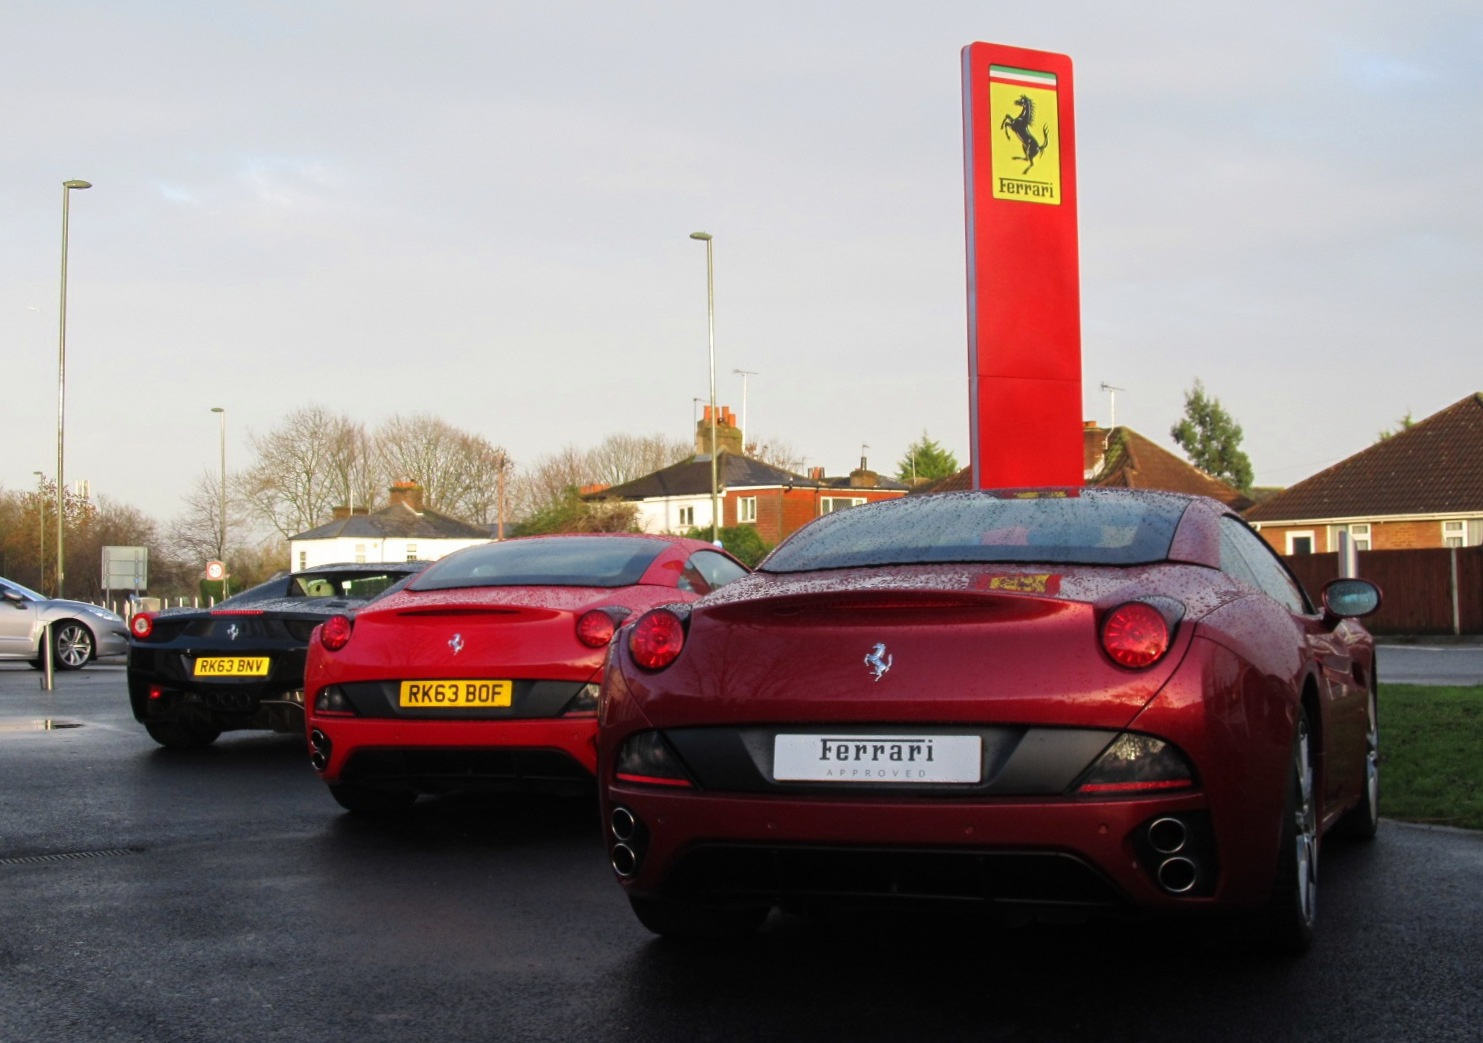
x=1426, y=591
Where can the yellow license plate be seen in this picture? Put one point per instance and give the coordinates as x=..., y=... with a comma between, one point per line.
x=231, y=666
x=437, y=695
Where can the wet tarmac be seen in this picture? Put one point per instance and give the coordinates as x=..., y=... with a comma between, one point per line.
x=222, y=895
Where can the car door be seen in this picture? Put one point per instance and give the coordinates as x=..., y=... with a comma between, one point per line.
x=18, y=614
x=1344, y=698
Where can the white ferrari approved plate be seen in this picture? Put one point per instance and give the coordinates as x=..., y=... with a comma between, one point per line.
x=898, y=758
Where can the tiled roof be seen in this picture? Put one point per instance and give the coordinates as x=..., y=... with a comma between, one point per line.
x=1133, y=462
x=1433, y=467
x=1122, y=458
x=396, y=522
x=692, y=477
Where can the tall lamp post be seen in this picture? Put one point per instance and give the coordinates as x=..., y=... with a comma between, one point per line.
x=221, y=543
x=67, y=187
x=40, y=529
x=710, y=318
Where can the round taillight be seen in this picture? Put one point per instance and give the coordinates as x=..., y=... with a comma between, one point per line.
x=656, y=639
x=334, y=633
x=142, y=625
x=1135, y=634
x=595, y=628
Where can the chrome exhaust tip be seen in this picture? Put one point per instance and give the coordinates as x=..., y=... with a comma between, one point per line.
x=623, y=823
x=1178, y=875
x=625, y=861
x=1167, y=836
x=319, y=749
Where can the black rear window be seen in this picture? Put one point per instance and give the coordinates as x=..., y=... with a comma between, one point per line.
x=1073, y=526
x=561, y=561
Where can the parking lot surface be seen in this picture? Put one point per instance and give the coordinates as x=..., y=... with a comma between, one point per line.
x=222, y=895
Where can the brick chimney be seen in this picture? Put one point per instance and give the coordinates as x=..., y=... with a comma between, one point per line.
x=409, y=493
x=728, y=435
x=863, y=477
x=341, y=513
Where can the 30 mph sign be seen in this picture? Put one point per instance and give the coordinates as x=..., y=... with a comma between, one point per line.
x=215, y=570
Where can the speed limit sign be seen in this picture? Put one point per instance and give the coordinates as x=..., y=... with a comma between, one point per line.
x=215, y=570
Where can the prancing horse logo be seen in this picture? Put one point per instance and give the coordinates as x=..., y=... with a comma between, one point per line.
x=456, y=643
x=879, y=661
x=232, y=631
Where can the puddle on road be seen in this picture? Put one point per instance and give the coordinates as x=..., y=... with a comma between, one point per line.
x=47, y=724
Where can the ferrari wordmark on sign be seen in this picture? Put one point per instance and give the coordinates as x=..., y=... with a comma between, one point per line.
x=1026, y=152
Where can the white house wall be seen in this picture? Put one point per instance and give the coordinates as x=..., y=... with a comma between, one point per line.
x=305, y=554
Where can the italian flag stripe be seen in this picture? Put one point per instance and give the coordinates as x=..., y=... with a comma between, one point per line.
x=1029, y=76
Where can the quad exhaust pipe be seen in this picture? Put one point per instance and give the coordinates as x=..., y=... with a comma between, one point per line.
x=626, y=829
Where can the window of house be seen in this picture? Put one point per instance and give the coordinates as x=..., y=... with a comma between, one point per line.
x=687, y=516
x=303, y=560
x=360, y=553
x=746, y=509
x=830, y=504
x=1300, y=542
x=1454, y=534
x=411, y=552
x=1359, y=535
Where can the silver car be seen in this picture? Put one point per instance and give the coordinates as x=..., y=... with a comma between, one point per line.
x=79, y=632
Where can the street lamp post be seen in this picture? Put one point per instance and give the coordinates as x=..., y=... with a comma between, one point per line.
x=710, y=316
x=40, y=529
x=221, y=543
x=67, y=187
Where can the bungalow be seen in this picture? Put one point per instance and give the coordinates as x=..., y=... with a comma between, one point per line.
x=749, y=492
x=1420, y=487
x=401, y=531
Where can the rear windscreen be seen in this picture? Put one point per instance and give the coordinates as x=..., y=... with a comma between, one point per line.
x=566, y=561
x=1092, y=527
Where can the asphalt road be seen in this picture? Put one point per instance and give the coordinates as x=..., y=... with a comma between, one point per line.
x=221, y=895
x=1453, y=664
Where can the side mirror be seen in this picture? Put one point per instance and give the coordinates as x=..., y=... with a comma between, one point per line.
x=15, y=598
x=1350, y=598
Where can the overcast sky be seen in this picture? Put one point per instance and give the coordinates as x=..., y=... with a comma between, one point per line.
x=481, y=210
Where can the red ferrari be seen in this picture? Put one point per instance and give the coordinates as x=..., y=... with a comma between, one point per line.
x=1035, y=703
x=483, y=671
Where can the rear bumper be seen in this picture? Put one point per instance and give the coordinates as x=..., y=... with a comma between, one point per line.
x=431, y=756
x=1045, y=854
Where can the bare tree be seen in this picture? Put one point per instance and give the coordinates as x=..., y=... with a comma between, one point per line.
x=293, y=485
x=460, y=473
x=197, y=531
x=549, y=481
x=622, y=458
x=777, y=453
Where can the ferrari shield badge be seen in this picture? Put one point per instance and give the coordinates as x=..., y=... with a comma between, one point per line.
x=879, y=661
x=1026, y=155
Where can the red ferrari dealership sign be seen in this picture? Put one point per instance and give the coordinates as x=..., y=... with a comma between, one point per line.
x=1024, y=291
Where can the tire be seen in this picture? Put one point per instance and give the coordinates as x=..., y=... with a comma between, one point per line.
x=363, y=801
x=72, y=645
x=676, y=920
x=182, y=734
x=1363, y=820
x=1290, y=916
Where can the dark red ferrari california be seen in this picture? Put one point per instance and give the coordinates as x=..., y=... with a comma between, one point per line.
x=483, y=671
x=1060, y=702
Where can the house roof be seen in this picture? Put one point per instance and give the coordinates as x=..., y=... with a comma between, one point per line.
x=1434, y=466
x=397, y=521
x=692, y=477
x=1122, y=458
x=1131, y=461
